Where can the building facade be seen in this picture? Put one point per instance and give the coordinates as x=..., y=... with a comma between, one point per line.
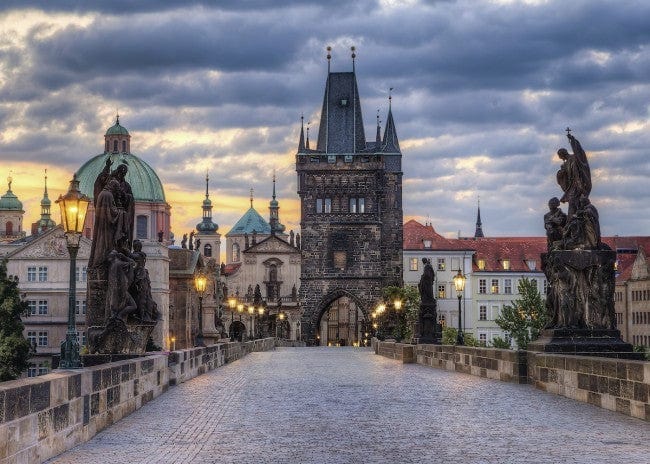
x=351, y=209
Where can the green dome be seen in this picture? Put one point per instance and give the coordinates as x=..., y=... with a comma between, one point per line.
x=117, y=129
x=10, y=202
x=144, y=181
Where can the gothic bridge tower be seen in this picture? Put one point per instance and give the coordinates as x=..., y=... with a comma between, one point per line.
x=351, y=216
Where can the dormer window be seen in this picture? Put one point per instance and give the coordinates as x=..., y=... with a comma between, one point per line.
x=532, y=264
x=506, y=264
x=427, y=243
x=481, y=264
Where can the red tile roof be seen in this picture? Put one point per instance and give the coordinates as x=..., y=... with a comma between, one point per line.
x=232, y=268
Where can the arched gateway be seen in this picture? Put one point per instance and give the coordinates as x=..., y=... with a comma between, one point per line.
x=341, y=320
x=351, y=219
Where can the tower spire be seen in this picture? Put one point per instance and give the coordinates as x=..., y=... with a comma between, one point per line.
x=274, y=213
x=354, y=55
x=391, y=142
x=251, y=197
x=207, y=180
x=479, y=226
x=301, y=142
x=207, y=226
x=378, y=137
x=307, y=143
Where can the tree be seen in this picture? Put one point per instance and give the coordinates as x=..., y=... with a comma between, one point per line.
x=524, y=318
x=399, y=324
x=15, y=350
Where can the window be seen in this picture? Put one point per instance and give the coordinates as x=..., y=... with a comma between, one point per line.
x=141, y=226
x=328, y=205
x=353, y=205
x=32, y=307
x=207, y=250
x=482, y=339
x=413, y=264
x=534, y=282
x=495, y=286
x=31, y=274
x=358, y=205
x=443, y=320
x=32, y=371
x=319, y=205
x=507, y=286
x=482, y=313
x=42, y=274
x=43, y=368
x=9, y=228
x=455, y=263
x=124, y=146
x=340, y=260
x=482, y=285
x=42, y=307
x=506, y=264
x=42, y=338
x=426, y=242
x=84, y=274
x=115, y=145
x=441, y=264
x=235, y=252
x=545, y=286
x=31, y=337
x=80, y=307
x=532, y=264
x=495, y=312
x=441, y=291
x=81, y=338
x=362, y=205
x=481, y=264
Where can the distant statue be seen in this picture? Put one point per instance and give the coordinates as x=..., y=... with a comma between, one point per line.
x=119, y=302
x=141, y=286
x=426, y=283
x=291, y=238
x=298, y=244
x=554, y=222
x=198, y=244
x=192, y=240
x=184, y=241
x=160, y=236
x=574, y=176
x=222, y=270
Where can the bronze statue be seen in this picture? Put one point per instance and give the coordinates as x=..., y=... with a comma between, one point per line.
x=554, y=222
x=426, y=283
x=140, y=289
x=574, y=176
x=184, y=241
x=191, y=240
x=427, y=316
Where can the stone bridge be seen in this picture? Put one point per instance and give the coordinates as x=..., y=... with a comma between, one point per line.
x=343, y=405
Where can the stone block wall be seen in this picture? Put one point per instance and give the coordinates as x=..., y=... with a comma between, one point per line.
x=616, y=384
x=41, y=417
x=400, y=351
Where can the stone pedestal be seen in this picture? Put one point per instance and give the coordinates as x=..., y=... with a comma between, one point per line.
x=119, y=338
x=210, y=333
x=428, y=324
x=584, y=342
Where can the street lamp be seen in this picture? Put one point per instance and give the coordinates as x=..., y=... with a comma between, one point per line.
x=281, y=317
x=258, y=324
x=73, y=215
x=459, y=283
x=251, y=312
x=200, y=283
x=232, y=304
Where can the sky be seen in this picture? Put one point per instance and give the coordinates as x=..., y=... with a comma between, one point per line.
x=482, y=94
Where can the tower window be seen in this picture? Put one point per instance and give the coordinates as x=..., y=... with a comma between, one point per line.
x=142, y=224
x=235, y=252
x=328, y=205
x=9, y=228
x=115, y=146
x=319, y=205
x=106, y=149
x=207, y=250
x=124, y=146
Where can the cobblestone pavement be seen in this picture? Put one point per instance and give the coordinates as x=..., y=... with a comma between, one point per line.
x=346, y=405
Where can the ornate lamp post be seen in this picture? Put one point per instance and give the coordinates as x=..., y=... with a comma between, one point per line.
x=232, y=304
x=251, y=312
x=281, y=318
x=200, y=283
x=73, y=215
x=459, y=283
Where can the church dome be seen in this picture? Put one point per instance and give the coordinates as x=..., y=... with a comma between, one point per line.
x=144, y=181
x=117, y=129
x=9, y=201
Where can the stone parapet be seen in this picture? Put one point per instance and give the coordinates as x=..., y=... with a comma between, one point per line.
x=43, y=416
x=615, y=384
x=400, y=351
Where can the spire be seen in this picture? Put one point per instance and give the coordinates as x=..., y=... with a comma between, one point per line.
x=479, y=230
x=251, y=197
x=274, y=213
x=378, y=137
x=274, y=184
x=354, y=55
x=207, y=226
x=46, y=222
x=390, y=143
x=307, y=146
x=301, y=142
x=117, y=119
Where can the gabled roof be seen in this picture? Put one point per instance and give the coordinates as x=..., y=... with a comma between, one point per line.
x=390, y=143
x=272, y=244
x=415, y=234
x=517, y=250
x=50, y=244
x=250, y=222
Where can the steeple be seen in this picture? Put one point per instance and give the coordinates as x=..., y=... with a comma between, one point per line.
x=46, y=222
x=390, y=143
x=301, y=142
x=274, y=213
x=378, y=136
x=307, y=143
x=479, y=230
x=206, y=226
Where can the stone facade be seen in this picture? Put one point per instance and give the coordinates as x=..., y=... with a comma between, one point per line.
x=351, y=208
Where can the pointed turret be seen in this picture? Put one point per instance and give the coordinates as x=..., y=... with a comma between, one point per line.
x=390, y=143
x=274, y=214
x=46, y=222
x=301, y=142
x=479, y=230
x=378, y=136
x=207, y=226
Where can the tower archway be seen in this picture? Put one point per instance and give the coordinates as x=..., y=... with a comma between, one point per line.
x=341, y=321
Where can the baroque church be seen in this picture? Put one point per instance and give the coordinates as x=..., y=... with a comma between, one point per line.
x=350, y=190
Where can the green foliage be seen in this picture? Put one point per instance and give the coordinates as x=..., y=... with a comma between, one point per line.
x=399, y=324
x=470, y=339
x=449, y=336
x=498, y=342
x=15, y=350
x=524, y=318
x=642, y=349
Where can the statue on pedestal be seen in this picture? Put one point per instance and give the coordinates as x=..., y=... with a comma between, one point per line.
x=579, y=269
x=427, y=317
x=121, y=312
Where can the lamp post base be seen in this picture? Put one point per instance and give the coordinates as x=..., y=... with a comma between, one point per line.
x=70, y=358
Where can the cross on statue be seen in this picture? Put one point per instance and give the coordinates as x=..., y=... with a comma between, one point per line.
x=568, y=131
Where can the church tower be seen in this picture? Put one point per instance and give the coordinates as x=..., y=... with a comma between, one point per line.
x=45, y=222
x=207, y=236
x=351, y=215
x=11, y=215
x=478, y=233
